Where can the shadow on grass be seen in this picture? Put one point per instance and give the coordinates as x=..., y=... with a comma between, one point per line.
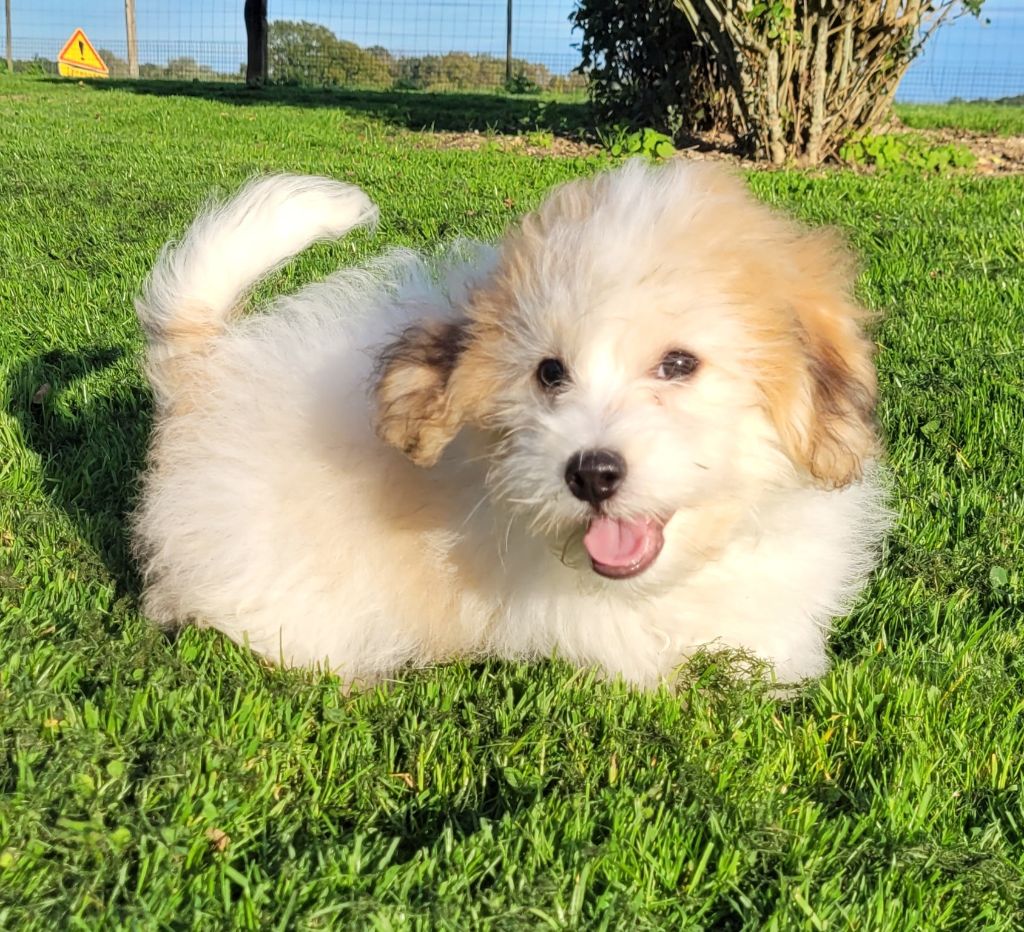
x=91, y=444
x=417, y=110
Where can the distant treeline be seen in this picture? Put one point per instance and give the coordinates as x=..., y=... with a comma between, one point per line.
x=182, y=67
x=304, y=53
x=1015, y=101
x=308, y=53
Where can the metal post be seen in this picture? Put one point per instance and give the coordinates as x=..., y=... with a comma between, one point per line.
x=133, y=46
x=508, y=44
x=256, y=31
x=10, y=44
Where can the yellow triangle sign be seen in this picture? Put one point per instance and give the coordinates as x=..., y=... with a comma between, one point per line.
x=78, y=59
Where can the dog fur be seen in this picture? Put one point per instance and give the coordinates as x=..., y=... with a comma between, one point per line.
x=371, y=473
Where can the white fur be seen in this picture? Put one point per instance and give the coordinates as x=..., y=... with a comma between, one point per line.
x=273, y=513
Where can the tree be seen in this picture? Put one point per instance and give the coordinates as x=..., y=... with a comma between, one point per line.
x=254, y=13
x=308, y=53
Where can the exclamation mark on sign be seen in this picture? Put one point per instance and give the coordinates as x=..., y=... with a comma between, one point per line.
x=81, y=50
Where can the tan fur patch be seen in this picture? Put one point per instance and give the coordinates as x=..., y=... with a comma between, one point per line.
x=416, y=412
x=822, y=389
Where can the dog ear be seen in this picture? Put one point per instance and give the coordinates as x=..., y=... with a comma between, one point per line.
x=825, y=416
x=416, y=410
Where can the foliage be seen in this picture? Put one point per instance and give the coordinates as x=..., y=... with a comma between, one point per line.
x=462, y=71
x=540, y=138
x=36, y=65
x=521, y=83
x=153, y=782
x=643, y=66
x=902, y=151
x=117, y=66
x=308, y=53
x=182, y=67
x=304, y=53
x=648, y=142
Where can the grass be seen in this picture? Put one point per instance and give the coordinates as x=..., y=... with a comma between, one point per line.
x=456, y=111
x=155, y=783
x=979, y=117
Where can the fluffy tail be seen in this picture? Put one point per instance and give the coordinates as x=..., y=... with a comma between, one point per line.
x=198, y=284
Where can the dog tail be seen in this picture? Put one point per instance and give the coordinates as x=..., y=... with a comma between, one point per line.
x=199, y=283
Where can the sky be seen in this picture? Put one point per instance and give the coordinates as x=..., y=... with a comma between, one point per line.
x=969, y=58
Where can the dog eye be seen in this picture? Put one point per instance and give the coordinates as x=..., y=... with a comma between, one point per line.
x=551, y=374
x=677, y=365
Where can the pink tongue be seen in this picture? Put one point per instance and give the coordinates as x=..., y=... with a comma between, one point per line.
x=617, y=542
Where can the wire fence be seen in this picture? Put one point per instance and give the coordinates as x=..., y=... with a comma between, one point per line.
x=437, y=44
x=405, y=44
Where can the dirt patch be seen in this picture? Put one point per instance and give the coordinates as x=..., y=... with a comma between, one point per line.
x=996, y=155
x=547, y=145
x=538, y=144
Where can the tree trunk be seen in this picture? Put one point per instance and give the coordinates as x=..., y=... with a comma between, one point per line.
x=818, y=74
x=256, y=31
x=776, y=142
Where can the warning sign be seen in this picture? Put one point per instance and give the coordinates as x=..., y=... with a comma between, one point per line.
x=78, y=59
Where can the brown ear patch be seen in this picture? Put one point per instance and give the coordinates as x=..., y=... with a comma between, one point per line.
x=415, y=410
x=819, y=381
x=842, y=433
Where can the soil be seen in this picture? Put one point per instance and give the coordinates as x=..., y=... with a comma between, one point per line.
x=528, y=144
x=996, y=155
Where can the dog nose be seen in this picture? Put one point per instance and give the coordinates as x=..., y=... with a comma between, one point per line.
x=594, y=475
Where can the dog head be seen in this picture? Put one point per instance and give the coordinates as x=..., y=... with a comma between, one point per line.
x=652, y=339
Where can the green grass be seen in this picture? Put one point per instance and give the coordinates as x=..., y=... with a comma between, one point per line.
x=995, y=119
x=888, y=796
x=456, y=111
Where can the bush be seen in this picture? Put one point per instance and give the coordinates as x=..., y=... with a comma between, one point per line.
x=801, y=77
x=644, y=65
x=790, y=79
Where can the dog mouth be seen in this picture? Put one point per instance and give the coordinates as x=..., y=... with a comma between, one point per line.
x=623, y=547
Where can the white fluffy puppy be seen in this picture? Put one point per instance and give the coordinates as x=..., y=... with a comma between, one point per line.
x=639, y=425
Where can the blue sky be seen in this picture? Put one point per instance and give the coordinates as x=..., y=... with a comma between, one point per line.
x=970, y=58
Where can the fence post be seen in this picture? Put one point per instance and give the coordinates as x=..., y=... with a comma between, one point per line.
x=508, y=44
x=10, y=49
x=256, y=32
x=133, y=46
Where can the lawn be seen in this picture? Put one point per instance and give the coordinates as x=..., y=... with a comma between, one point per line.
x=991, y=118
x=150, y=782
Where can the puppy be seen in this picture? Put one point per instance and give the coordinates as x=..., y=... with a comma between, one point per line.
x=640, y=425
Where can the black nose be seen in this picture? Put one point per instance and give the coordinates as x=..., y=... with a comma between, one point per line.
x=594, y=475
